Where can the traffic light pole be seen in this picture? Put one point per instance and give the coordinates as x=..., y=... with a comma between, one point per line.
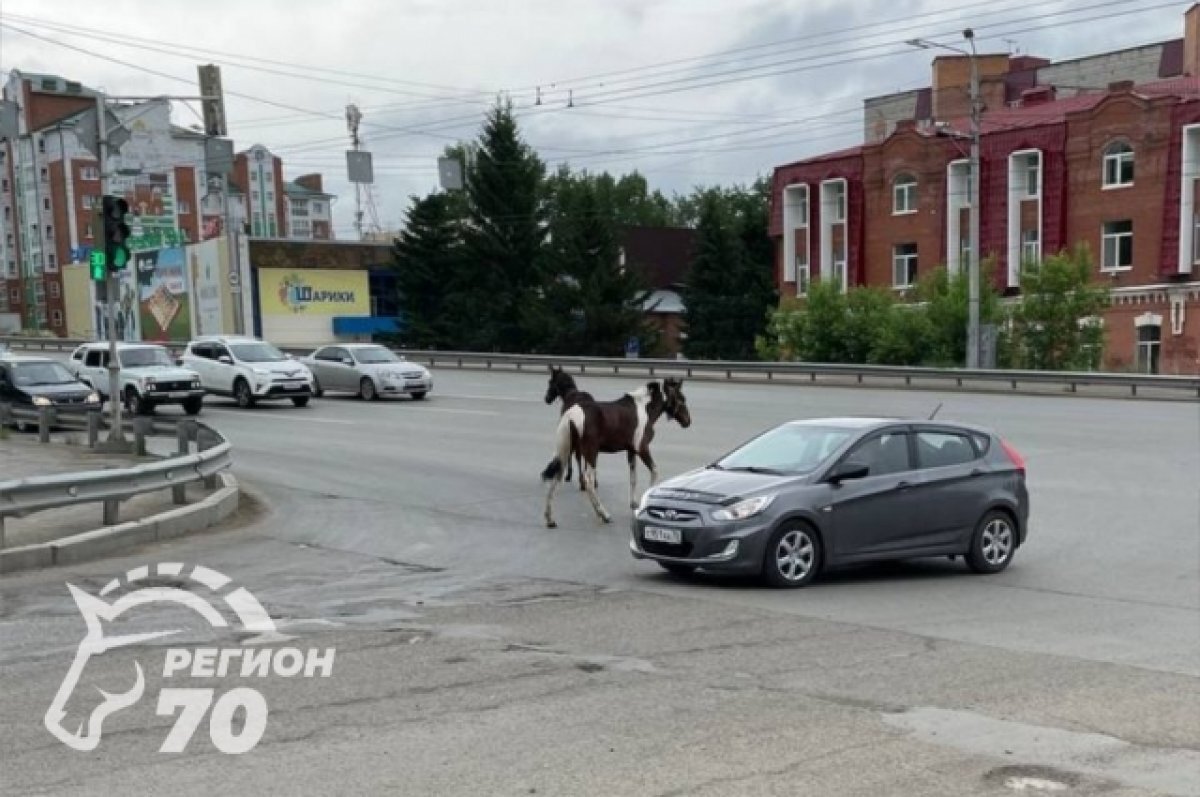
x=116, y=433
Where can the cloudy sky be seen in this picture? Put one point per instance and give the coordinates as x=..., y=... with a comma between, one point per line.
x=686, y=92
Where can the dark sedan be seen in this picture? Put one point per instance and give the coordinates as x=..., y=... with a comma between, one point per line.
x=810, y=495
x=43, y=382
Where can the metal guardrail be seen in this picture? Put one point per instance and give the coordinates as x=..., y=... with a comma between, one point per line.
x=908, y=375
x=22, y=497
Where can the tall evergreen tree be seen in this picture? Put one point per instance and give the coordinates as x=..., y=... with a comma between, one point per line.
x=506, y=228
x=427, y=256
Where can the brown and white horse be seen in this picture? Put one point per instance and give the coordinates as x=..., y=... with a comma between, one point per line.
x=609, y=427
x=562, y=386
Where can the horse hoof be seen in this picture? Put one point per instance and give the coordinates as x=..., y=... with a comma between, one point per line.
x=606, y=519
x=550, y=524
x=633, y=504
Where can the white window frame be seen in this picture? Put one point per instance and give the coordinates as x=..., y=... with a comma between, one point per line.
x=1115, y=238
x=908, y=261
x=1118, y=156
x=904, y=194
x=1031, y=246
x=795, y=217
x=89, y=173
x=803, y=277
x=1147, y=352
x=1033, y=175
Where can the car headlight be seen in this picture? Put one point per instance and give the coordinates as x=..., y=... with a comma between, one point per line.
x=148, y=382
x=261, y=372
x=93, y=398
x=41, y=401
x=195, y=384
x=744, y=509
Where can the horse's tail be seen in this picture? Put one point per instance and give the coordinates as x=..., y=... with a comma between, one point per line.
x=570, y=426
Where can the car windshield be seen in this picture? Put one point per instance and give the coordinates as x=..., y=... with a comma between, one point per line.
x=257, y=353
x=375, y=354
x=142, y=357
x=30, y=374
x=791, y=448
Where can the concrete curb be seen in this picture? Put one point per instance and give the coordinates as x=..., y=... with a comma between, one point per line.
x=102, y=542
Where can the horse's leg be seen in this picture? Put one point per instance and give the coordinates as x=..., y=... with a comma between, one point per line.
x=633, y=504
x=644, y=453
x=582, y=486
x=589, y=468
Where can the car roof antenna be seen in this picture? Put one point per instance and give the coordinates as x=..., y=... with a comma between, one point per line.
x=935, y=410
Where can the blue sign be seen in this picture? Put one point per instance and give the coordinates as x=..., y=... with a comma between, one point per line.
x=632, y=348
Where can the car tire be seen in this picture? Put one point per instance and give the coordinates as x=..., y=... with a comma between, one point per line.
x=677, y=569
x=792, y=557
x=418, y=395
x=993, y=544
x=135, y=403
x=192, y=406
x=366, y=389
x=300, y=401
x=241, y=392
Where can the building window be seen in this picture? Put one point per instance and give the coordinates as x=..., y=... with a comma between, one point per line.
x=56, y=318
x=89, y=202
x=839, y=202
x=46, y=203
x=49, y=233
x=803, y=275
x=55, y=291
x=1196, y=238
x=1118, y=165
x=51, y=264
x=45, y=175
x=1117, y=245
x=904, y=265
x=14, y=295
x=183, y=207
x=1033, y=171
x=318, y=207
x=299, y=207
x=1031, y=248
x=89, y=173
x=904, y=194
x=1148, y=346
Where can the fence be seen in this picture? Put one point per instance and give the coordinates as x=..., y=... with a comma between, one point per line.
x=22, y=497
x=861, y=374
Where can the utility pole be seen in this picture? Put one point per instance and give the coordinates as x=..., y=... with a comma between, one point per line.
x=973, y=266
x=116, y=434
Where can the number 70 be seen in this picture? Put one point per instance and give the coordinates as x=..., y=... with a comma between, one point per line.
x=194, y=704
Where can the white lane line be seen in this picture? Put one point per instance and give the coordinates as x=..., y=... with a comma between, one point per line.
x=471, y=397
x=285, y=418
x=459, y=412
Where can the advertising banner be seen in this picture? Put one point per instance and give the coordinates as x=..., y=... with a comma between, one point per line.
x=205, y=263
x=314, y=292
x=164, y=308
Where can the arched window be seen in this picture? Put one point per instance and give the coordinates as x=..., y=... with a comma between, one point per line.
x=904, y=194
x=1118, y=164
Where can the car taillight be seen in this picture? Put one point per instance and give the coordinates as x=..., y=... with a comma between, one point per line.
x=1017, y=459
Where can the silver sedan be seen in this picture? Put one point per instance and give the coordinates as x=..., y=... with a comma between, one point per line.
x=368, y=370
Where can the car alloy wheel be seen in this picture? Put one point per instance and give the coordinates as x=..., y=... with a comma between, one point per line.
x=366, y=389
x=993, y=544
x=793, y=556
x=241, y=392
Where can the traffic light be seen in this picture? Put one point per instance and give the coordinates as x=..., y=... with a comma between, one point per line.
x=116, y=233
x=98, y=267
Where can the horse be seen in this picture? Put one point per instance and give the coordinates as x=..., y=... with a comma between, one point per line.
x=562, y=385
x=609, y=427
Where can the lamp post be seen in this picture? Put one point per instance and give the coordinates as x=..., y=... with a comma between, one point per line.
x=973, y=262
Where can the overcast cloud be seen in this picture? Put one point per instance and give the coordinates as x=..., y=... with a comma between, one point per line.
x=424, y=71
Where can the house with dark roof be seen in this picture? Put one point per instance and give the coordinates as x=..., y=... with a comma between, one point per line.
x=664, y=256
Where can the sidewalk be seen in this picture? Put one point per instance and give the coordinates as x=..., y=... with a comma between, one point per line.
x=22, y=456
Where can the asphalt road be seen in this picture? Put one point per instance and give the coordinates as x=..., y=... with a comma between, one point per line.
x=484, y=653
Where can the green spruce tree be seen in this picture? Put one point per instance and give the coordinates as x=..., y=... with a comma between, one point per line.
x=427, y=256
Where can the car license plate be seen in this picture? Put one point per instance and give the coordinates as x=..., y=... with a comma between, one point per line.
x=178, y=394
x=293, y=387
x=655, y=534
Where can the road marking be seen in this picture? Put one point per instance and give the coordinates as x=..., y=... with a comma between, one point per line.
x=470, y=397
x=285, y=418
x=460, y=412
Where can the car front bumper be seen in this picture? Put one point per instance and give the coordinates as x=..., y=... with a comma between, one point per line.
x=396, y=386
x=173, y=396
x=282, y=390
x=718, y=547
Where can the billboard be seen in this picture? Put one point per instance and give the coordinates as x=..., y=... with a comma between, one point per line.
x=313, y=292
x=164, y=309
x=206, y=268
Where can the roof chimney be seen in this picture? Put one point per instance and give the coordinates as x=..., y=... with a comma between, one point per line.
x=1191, y=40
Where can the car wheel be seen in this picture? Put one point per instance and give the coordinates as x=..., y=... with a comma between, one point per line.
x=135, y=403
x=419, y=395
x=366, y=389
x=192, y=405
x=793, y=556
x=300, y=401
x=241, y=392
x=677, y=569
x=994, y=543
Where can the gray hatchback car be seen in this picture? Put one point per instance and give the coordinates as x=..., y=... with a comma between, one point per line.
x=814, y=494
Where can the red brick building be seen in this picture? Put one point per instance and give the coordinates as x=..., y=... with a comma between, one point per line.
x=1114, y=168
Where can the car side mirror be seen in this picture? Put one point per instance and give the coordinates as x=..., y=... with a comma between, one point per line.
x=850, y=469
x=347, y=361
x=225, y=358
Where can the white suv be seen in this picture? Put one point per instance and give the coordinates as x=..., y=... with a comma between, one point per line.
x=147, y=376
x=248, y=369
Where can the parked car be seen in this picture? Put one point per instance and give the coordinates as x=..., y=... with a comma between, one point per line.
x=147, y=376
x=367, y=369
x=30, y=382
x=810, y=495
x=248, y=369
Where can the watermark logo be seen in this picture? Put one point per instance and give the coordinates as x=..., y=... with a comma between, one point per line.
x=139, y=588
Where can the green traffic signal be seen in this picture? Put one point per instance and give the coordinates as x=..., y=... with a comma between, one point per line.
x=96, y=262
x=116, y=232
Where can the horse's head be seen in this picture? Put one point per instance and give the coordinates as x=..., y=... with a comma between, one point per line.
x=560, y=384
x=675, y=403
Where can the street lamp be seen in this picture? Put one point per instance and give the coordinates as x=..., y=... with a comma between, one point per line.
x=973, y=261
